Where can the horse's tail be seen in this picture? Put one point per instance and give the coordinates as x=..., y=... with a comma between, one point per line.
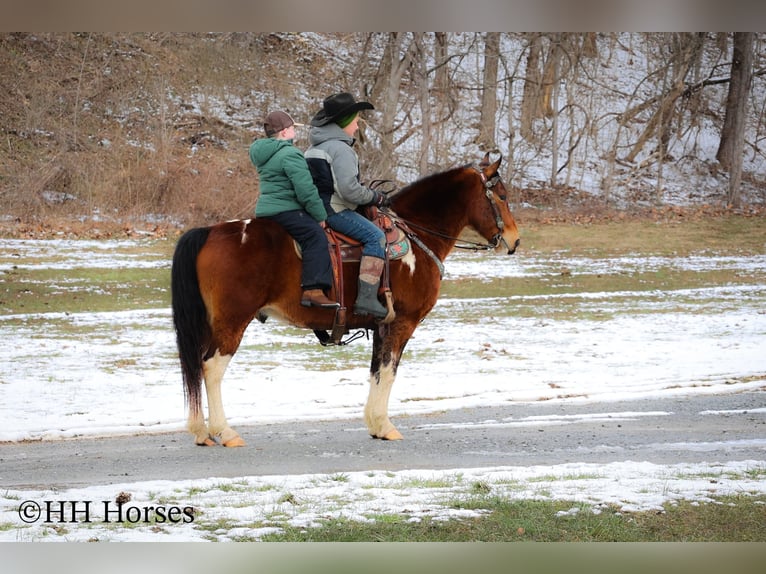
x=189, y=314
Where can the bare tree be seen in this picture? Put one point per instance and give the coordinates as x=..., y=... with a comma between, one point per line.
x=530, y=102
x=421, y=74
x=551, y=79
x=442, y=85
x=685, y=49
x=486, y=137
x=589, y=48
x=442, y=92
x=731, y=147
x=551, y=75
x=397, y=58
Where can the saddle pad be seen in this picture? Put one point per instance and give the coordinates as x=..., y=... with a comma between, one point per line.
x=400, y=247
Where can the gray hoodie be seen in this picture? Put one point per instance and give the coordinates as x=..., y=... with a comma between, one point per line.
x=332, y=144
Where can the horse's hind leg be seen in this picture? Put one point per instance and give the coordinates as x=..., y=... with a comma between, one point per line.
x=213, y=370
x=219, y=428
x=196, y=425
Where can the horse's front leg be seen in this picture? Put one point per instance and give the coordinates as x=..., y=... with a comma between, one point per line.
x=387, y=346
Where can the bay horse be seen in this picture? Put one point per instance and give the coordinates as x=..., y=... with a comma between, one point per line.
x=226, y=275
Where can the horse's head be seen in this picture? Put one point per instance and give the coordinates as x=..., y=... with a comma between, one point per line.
x=441, y=205
x=491, y=217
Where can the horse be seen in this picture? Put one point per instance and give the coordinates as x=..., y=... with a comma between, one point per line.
x=223, y=276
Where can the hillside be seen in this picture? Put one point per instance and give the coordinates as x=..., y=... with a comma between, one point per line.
x=150, y=131
x=133, y=126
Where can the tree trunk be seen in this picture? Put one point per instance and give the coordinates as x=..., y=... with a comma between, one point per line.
x=732, y=143
x=444, y=100
x=551, y=75
x=589, y=45
x=424, y=90
x=530, y=102
x=552, y=101
x=486, y=137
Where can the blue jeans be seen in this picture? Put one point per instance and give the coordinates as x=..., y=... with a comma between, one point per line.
x=316, y=270
x=358, y=227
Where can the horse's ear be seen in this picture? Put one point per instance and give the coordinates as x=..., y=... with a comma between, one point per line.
x=491, y=169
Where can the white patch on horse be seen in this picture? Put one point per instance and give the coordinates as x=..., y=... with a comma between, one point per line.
x=245, y=223
x=409, y=261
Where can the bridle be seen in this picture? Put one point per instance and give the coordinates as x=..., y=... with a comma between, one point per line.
x=497, y=238
x=468, y=245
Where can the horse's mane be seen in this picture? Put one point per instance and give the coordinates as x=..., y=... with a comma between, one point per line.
x=430, y=180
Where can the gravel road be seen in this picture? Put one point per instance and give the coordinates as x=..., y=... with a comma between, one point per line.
x=691, y=428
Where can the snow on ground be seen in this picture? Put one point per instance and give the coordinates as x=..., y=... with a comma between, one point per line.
x=86, y=374
x=247, y=508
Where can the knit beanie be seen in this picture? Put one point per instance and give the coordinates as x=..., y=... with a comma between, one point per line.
x=345, y=120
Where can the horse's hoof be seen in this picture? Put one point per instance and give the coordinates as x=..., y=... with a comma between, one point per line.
x=392, y=435
x=209, y=441
x=236, y=441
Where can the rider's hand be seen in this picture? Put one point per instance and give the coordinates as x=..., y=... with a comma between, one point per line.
x=381, y=200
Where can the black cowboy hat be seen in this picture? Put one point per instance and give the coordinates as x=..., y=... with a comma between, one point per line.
x=338, y=106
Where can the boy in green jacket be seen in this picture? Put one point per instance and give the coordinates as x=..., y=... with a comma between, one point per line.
x=289, y=197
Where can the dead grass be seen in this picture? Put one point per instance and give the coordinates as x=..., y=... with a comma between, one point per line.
x=682, y=233
x=102, y=127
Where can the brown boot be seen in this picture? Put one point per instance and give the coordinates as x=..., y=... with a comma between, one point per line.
x=317, y=298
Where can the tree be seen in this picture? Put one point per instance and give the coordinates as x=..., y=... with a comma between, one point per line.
x=530, y=102
x=398, y=55
x=421, y=75
x=486, y=137
x=445, y=101
x=685, y=50
x=730, y=149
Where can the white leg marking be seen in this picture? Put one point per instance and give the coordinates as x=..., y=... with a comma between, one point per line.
x=214, y=368
x=376, y=410
x=196, y=425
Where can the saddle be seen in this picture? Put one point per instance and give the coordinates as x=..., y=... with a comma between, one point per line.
x=344, y=249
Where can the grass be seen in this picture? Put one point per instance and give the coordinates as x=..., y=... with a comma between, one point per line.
x=39, y=285
x=732, y=234
x=550, y=284
x=726, y=519
x=29, y=291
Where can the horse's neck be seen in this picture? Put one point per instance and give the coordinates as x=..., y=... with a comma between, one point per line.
x=440, y=216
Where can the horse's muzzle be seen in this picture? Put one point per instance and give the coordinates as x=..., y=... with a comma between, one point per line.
x=512, y=250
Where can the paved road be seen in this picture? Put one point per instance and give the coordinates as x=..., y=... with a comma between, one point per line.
x=663, y=431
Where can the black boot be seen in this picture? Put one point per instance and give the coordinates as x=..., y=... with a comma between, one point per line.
x=367, y=302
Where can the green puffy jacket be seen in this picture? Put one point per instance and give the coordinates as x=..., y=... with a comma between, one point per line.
x=285, y=179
